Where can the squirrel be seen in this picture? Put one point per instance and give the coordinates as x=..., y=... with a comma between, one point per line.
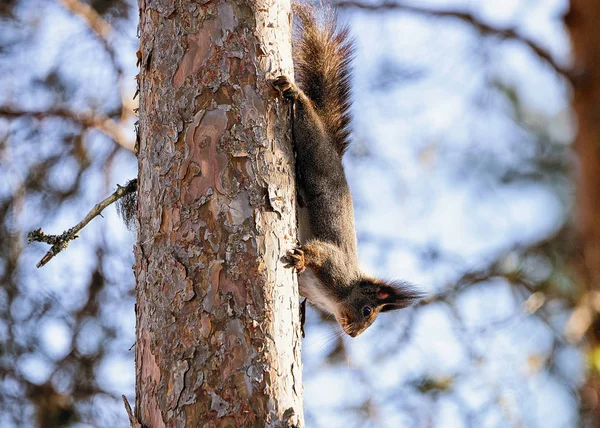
x=329, y=275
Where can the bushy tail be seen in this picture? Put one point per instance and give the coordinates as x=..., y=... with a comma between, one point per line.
x=322, y=56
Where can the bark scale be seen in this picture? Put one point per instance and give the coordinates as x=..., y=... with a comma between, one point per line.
x=582, y=22
x=217, y=335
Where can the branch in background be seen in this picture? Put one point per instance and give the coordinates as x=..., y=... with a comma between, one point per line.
x=62, y=241
x=466, y=280
x=133, y=422
x=102, y=123
x=102, y=30
x=97, y=24
x=482, y=27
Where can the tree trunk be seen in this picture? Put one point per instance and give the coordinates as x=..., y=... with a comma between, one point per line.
x=582, y=21
x=217, y=338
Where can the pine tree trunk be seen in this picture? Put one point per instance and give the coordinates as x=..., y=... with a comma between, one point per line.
x=217, y=338
x=582, y=21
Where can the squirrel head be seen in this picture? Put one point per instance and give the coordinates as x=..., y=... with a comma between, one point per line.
x=368, y=298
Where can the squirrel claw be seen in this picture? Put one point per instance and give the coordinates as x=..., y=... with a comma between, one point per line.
x=295, y=259
x=286, y=87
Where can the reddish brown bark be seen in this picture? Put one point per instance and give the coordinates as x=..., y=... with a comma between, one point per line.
x=582, y=21
x=217, y=313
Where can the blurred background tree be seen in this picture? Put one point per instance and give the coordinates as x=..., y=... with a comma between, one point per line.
x=461, y=174
x=581, y=21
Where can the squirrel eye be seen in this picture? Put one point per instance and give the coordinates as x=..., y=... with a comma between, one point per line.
x=366, y=311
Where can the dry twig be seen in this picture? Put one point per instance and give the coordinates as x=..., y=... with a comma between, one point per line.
x=133, y=422
x=62, y=241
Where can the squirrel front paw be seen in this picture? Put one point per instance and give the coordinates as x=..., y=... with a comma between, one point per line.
x=286, y=87
x=295, y=259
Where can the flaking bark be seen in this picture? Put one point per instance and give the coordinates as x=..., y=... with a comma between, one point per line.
x=218, y=339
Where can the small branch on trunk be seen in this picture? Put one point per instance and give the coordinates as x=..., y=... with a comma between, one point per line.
x=133, y=422
x=62, y=241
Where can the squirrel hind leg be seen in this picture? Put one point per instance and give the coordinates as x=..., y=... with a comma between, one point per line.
x=295, y=260
x=286, y=87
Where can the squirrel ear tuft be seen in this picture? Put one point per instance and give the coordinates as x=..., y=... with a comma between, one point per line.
x=396, y=295
x=382, y=293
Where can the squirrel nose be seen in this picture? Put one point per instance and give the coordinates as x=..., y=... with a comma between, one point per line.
x=353, y=334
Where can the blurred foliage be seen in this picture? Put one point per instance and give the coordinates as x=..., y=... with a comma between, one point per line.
x=56, y=338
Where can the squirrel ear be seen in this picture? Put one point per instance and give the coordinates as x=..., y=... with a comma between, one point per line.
x=396, y=295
